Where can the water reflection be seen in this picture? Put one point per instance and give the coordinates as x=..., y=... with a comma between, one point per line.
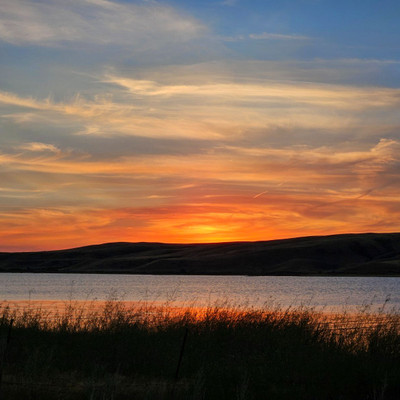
x=337, y=293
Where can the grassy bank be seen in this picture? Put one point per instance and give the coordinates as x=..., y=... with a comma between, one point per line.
x=133, y=353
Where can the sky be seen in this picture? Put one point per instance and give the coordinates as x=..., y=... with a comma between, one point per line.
x=197, y=121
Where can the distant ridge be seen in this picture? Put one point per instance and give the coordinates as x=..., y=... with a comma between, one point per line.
x=370, y=254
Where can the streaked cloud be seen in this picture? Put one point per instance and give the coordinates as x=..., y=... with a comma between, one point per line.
x=264, y=36
x=35, y=146
x=337, y=96
x=225, y=110
x=100, y=22
x=229, y=3
x=276, y=36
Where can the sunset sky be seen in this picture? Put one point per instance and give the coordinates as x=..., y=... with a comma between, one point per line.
x=197, y=121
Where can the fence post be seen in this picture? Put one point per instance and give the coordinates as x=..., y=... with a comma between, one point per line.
x=3, y=355
x=172, y=392
x=181, y=354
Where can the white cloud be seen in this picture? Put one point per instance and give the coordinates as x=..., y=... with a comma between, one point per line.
x=338, y=96
x=51, y=22
x=188, y=107
x=264, y=36
x=229, y=3
x=276, y=36
x=38, y=147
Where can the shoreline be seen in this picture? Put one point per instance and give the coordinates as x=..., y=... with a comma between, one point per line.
x=141, y=273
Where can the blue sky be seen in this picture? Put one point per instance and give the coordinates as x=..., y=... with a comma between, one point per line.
x=336, y=29
x=197, y=121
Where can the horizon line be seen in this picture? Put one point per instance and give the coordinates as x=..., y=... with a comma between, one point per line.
x=202, y=243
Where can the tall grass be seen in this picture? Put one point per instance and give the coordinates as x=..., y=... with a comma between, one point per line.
x=132, y=352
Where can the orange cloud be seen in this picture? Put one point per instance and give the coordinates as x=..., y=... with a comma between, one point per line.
x=233, y=194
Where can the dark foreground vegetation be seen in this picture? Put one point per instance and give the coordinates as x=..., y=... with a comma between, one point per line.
x=359, y=254
x=215, y=353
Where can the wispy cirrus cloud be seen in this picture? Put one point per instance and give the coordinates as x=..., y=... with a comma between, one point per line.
x=330, y=95
x=266, y=36
x=294, y=165
x=225, y=109
x=229, y=3
x=276, y=36
x=38, y=147
x=101, y=22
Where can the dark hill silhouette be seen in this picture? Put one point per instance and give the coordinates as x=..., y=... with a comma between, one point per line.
x=351, y=254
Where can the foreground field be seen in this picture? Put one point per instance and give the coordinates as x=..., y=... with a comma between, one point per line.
x=140, y=351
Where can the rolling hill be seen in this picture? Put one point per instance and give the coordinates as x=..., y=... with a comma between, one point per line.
x=368, y=254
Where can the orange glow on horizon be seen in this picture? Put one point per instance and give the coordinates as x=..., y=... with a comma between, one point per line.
x=45, y=230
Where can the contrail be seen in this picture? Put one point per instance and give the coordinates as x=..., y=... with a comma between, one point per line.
x=260, y=194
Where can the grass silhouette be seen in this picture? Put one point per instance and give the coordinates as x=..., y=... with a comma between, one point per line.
x=121, y=351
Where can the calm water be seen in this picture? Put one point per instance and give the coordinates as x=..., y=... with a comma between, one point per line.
x=322, y=292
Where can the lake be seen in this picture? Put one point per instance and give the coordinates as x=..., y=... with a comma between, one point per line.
x=323, y=293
